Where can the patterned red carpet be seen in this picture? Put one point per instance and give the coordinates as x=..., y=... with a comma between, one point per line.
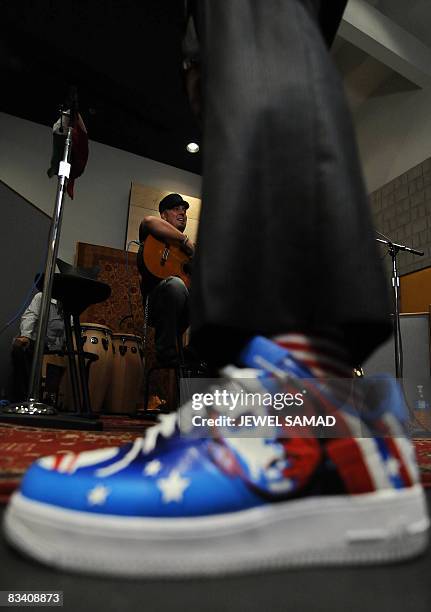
x=20, y=446
x=423, y=452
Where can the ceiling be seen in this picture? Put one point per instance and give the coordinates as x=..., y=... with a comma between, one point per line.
x=125, y=60
x=412, y=15
x=123, y=57
x=369, y=68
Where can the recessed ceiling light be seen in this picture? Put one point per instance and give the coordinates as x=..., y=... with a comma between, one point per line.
x=192, y=147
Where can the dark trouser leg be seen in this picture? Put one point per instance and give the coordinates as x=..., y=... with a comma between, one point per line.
x=169, y=314
x=21, y=367
x=285, y=237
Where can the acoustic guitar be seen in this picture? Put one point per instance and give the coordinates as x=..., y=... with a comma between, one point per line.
x=163, y=260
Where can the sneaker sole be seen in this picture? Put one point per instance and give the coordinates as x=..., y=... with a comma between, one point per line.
x=381, y=527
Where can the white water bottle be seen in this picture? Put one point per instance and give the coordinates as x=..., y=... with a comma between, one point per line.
x=421, y=403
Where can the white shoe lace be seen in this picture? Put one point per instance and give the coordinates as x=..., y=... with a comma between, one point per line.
x=167, y=422
x=165, y=427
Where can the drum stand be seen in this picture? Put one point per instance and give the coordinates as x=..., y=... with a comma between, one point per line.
x=393, y=250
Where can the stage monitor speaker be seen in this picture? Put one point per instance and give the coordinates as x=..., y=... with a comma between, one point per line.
x=415, y=334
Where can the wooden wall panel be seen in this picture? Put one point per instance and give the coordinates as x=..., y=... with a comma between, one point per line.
x=415, y=291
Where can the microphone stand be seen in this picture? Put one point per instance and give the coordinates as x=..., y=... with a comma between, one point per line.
x=34, y=405
x=34, y=411
x=393, y=250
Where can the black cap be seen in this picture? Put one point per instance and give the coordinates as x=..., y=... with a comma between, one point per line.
x=172, y=200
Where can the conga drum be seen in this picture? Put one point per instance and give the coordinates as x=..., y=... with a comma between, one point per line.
x=97, y=339
x=127, y=374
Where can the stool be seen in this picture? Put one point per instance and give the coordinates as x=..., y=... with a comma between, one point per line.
x=76, y=291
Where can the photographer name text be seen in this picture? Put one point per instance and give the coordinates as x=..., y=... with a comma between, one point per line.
x=268, y=420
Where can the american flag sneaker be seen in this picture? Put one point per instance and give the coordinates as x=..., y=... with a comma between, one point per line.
x=172, y=505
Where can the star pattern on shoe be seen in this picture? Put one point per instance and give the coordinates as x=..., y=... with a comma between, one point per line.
x=393, y=466
x=173, y=487
x=98, y=495
x=153, y=468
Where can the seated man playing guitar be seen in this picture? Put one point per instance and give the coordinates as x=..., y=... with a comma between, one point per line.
x=162, y=262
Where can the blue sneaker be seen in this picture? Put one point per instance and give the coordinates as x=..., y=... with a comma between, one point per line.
x=172, y=505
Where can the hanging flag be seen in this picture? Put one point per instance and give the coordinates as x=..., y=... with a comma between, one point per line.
x=79, y=153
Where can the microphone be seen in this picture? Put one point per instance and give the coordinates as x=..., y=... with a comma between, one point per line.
x=72, y=103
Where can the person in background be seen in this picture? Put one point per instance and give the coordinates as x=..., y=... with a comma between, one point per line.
x=168, y=299
x=23, y=344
